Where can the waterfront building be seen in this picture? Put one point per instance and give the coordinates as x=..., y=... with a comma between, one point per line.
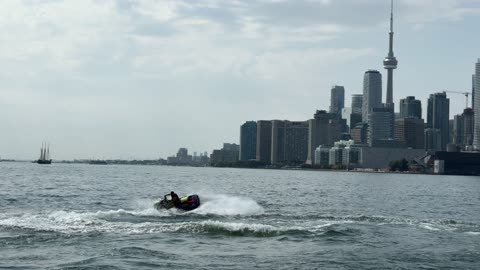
x=359, y=133
x=228, y=154
x=264, y=141
x=351, y=156
x=410, y=108
x=410, y=131
x=473, y=90
x=324, y=129
x=380, y=125
x=336, y=155
x=344, y=152
x=433, y=140
x=337, y=99
x=362, y=156
x=454, y=163
x=380, y=158
x=458, y=128
x=248, y=141
x=231, y=147
x=296, y=142
x=357, y=103
x=278, y=142
x=390, y=63
x=438, y=112
x=289, y=142
x=183, y=156
x=171, y=160
x=450, y=131
x=468, y=118
x=476, y=135
x=372, y=93
x=463, y=125
x=322, y=155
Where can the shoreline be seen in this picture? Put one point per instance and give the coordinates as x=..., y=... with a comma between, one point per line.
x=126, y=163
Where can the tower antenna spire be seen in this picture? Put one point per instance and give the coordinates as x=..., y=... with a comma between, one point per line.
x=391, y=16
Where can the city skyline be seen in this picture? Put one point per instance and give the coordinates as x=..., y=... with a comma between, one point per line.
x=155, y=76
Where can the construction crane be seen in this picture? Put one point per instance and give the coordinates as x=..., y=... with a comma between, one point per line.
x=466, y=94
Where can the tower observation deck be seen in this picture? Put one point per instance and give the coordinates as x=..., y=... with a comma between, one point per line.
x=390, y=63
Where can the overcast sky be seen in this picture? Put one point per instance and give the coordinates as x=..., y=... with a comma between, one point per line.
x=139, y=79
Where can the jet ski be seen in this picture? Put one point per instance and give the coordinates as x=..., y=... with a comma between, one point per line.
x=187, y=203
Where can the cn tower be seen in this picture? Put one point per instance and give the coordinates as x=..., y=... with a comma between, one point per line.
x=390, y=63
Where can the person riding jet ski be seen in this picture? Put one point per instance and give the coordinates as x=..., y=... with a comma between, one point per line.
x=172, y=200
x=175, y=199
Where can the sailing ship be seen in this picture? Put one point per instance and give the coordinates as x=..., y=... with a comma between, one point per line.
x=44, y=155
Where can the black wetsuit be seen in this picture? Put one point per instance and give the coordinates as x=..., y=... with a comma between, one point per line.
x=175, y=200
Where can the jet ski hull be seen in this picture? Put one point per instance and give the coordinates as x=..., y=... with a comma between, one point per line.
x=188, y=203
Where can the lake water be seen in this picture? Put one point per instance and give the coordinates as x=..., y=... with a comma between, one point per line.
x=66, y=216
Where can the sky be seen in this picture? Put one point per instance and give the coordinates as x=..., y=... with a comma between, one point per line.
x=140, y=79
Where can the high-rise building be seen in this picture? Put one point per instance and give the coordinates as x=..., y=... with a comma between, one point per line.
x=228, y=154
x=324, y=129
x=278, y=142
x=248, y=141
x=231, y=147
x=433, y=141
x=411, y=131
x=289, y=142
x=359, y=133
x=468, y=122
x=410, y=108
x=372, y=92
x=356, y=111
x=182, y=155
x=390, y=63
x=264, y=141
x=473, y=91
x=438, y=112
x=463, y=128
x=337, y=99
x=380, y=125
x=458, y=129
x=476, y=112
x=357, y=103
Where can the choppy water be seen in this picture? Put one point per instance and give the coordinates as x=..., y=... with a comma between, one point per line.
x=95, y=217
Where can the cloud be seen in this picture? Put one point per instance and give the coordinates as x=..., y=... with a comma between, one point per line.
x=107, y=65
x=186, y=36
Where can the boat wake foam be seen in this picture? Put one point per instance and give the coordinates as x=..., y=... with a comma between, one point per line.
x=207, y=221
x=225, y=205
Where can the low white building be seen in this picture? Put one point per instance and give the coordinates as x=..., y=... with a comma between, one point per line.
x=349, y=154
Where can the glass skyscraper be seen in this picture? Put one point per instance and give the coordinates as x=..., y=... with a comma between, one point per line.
x=372, y=92
x=337, y=99
x=438, y=113
x=410, y=108
x=476, y=135
x=248, y=140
